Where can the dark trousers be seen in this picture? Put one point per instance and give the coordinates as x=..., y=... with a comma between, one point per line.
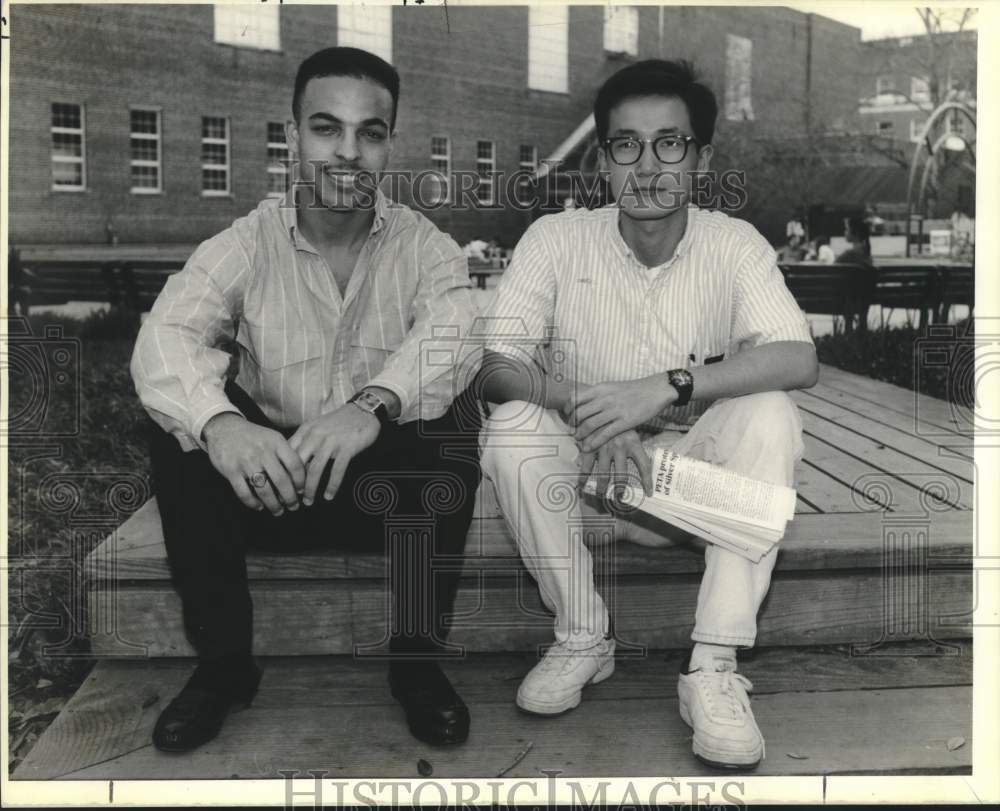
x=409, y=496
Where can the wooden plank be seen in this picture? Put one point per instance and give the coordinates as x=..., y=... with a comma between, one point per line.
x=933, y=416
x=503, y=614
x=871, y=723
x=892, y=435
x=136, y=552
x=908, y=481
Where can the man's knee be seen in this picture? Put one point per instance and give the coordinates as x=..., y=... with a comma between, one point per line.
x=517, y=432
x=772, y=418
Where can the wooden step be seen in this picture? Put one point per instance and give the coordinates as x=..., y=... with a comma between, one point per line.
x=880, y=548
x=824, y=591
x=822, y=711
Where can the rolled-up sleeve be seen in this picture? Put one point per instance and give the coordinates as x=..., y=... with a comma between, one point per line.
x=764, y=311
x=177, y=365
x=439, y=357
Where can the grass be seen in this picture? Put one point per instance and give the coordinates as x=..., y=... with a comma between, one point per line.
x=103, y=466
x=57, y=488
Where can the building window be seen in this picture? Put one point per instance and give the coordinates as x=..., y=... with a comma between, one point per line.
x=69, y=166
x=885, y=128
x=366, y=27
x=621, y=30
x=739, y=69
x=528, y=158
x=277, y=160
x=916, y=128
x=885, y=84
x=214, y=156
x=249, y=26
x=920, y=89
x=144, y=146
x=548, y=48
x=485, y=166
x=441, y=164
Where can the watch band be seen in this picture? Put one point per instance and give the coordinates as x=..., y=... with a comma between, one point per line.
x=369, y=401
x=683, y=383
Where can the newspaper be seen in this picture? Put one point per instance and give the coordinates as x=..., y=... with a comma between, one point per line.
x=744, y=515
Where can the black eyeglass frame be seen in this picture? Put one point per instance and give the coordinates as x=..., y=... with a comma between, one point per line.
x=609, y=143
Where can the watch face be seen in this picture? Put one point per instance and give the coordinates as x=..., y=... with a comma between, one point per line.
x=368, y=401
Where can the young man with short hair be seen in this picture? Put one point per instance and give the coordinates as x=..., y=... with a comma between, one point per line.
x=645, y=321
x=334, y=423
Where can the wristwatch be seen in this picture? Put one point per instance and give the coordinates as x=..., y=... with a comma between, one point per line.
x=683, y=383
x=369, y=401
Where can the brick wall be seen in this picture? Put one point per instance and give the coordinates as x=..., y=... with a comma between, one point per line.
x=464, y=76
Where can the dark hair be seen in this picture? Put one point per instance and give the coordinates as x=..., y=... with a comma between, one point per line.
x=860, y=233
x=346, y=62
x=658, y=77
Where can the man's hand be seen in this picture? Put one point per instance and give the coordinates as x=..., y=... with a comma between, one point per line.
x=605, y=410
x=615, y=453
x=340, y=435
x=241, y=451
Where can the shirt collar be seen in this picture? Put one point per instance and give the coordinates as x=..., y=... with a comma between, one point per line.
x=288, y=213
x=621, y=246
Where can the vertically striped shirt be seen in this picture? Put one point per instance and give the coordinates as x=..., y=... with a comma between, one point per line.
x=574, y=286
x=304, y=349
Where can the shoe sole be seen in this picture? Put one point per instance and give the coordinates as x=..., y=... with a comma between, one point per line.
x=541, y=708
x=717, y=760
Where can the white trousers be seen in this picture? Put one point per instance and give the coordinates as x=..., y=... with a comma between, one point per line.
x=531, y=458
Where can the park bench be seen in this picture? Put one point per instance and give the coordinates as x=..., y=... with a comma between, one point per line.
x=908, y=287
x=837, y=289
x=956, y=285
x=869, y=611
x=134, y=282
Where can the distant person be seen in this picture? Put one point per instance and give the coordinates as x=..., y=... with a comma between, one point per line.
x=333, y=295
x=857, y=233
x=820, y=251
x=793, y=251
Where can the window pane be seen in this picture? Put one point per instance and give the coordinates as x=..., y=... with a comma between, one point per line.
x=212, y=127
x=145, y=177
x=143, y=149
x=67, y=145
x=484, y=150
x=213, y=179
x=439, y=146
x=276, y=132
x=213, y=153
x=66, y=115
x=144, y=121
x=67, y=174
x=277, y=182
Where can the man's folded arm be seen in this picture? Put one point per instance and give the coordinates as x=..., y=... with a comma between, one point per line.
x=177, y=365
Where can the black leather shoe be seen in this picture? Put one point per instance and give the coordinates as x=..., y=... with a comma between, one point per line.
x=196, y=715
x=435, y=713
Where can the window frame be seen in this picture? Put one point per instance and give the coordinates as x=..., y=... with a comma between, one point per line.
x=488, y=180
x=444, y=157
x=923, y=95
x=144, y=136
x=272, y=168
x=228, y=192
x=82, y=160
x=882, y=79
x=889, y=131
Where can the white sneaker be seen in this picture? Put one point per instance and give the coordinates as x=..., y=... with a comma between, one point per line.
x=555, y=684
x=715, y=704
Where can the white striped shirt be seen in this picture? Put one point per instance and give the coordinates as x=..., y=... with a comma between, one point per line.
x=574, y=280
x=304, y=349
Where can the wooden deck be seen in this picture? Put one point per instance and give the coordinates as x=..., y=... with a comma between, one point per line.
x=877, y=563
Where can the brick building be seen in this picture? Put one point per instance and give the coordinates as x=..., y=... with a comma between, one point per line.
x=904, y=78
x=164, y=123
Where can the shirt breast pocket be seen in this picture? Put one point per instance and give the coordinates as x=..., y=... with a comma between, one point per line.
x=373, y=341
x=271, y=349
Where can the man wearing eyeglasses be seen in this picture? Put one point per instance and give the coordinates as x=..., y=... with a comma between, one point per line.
x=647, y=321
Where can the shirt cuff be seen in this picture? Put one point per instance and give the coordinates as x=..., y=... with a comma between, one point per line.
x=385, y=380
x=199, y=424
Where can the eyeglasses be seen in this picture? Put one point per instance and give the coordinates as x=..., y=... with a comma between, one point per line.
x=627, y=149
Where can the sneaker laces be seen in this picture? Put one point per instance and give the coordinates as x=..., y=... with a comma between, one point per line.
x=732, y=686
x=560, y=658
